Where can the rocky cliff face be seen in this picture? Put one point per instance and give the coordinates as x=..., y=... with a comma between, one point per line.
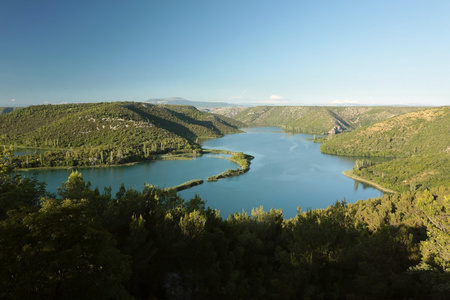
x=229, y=112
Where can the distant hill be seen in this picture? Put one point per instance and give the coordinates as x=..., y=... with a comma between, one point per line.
x=134, y=129
x=203, y=105
x=318, y=119
x=228, y=111
x=418, y=141
x=419, y=132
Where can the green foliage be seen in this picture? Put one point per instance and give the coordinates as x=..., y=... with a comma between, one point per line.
x=107, y=133
x=418, y=141
x=185, y=185
x=436, y=249
x=416, y=133
x=413, y=173
x=6, y=159
x=153, y=244
x=316, y=119
x=60, y=252
x=16, y=192
x=362, y=163
x=240, y=158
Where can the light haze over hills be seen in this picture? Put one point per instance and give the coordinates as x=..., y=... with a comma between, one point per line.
x=198, y=104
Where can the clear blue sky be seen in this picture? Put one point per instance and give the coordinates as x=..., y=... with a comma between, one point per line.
x=301, y=52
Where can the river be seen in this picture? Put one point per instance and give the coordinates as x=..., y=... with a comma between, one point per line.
x=288, y=172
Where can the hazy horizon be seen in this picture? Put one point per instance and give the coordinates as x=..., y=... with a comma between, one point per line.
x=235, y=104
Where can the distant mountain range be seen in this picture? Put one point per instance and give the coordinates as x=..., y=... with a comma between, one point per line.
x=203, y=105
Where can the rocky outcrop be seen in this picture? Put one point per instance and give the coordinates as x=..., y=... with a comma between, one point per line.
x=336, y=130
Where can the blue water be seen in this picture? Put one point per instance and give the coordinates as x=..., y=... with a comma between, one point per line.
x=288, y=172
x=165, y=173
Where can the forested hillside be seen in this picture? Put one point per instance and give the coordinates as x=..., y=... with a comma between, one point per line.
x=111, y=133
x=318, y=119
x=419, y=142
x=86, y=244
x=420, y=132
x=151, y=244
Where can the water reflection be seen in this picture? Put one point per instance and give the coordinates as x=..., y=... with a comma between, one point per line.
x=362, y=184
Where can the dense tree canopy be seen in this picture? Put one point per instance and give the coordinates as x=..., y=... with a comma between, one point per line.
x=83, y=243
x=106, y=133
x=153, y=244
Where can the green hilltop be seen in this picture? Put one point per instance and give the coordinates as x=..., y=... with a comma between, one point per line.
x=115, y=132
x=318, y=119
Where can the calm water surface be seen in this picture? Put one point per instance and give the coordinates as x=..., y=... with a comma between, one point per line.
x=288, y=172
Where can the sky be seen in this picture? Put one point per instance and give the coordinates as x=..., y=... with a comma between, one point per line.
x=302, y=52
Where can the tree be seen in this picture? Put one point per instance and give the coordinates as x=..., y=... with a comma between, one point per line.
x=60, y=252
x=434, y=270
x=16, y=191
x=74, y=187
x=6, y=156
x=436, y=249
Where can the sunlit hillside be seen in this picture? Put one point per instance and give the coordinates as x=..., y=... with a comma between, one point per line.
x=318, y=119
x=418, y=143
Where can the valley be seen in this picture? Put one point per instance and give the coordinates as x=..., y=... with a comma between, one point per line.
x=320, y=244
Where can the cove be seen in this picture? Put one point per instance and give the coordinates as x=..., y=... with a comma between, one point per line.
x=288, y=172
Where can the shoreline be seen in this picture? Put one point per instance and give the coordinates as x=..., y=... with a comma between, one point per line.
x=350, y=174
x=168, y=156
x=156, y=157
x=73, y=168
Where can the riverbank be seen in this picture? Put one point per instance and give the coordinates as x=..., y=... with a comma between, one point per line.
x=350, y=174
x=243, y=160
x=34, y=169
x=166, y=156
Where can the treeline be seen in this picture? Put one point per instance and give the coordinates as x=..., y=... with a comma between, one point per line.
x=107, y=133
x=102, y=156
x=151, y=244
